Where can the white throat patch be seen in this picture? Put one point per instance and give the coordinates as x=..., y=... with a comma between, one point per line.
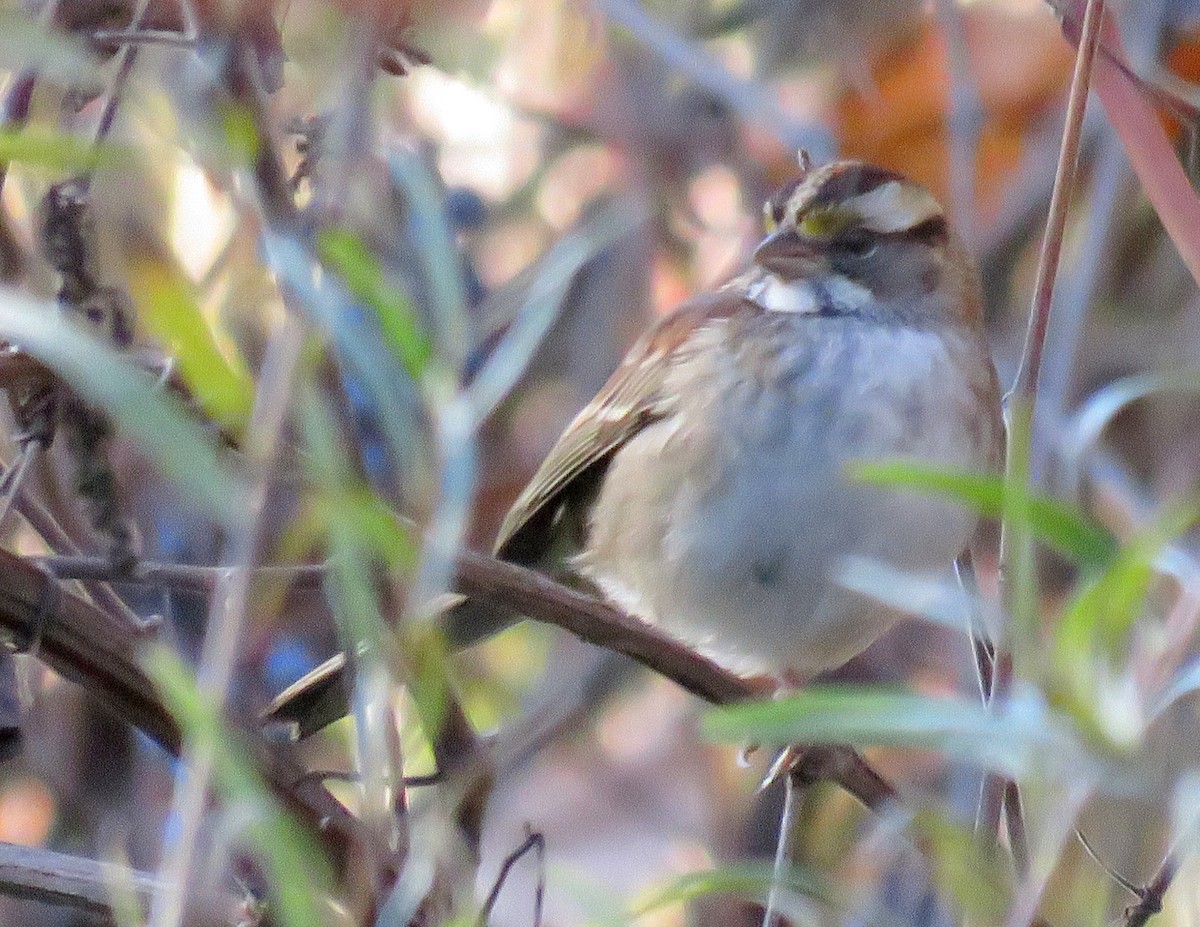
x=834, y=293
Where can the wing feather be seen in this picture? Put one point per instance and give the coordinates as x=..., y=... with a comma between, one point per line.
x=628, y=402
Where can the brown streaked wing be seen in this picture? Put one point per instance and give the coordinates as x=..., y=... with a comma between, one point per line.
x=627, y=403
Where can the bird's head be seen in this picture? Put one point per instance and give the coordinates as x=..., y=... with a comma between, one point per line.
x=870, y=236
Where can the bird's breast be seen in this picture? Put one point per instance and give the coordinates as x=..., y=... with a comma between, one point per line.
x=727, y=519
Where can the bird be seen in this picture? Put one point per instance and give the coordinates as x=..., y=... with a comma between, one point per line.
x=705, y=488
x=706, y=483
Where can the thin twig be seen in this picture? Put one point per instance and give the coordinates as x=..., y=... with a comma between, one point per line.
x=535, y=842
x=90, y=647
x=1060, y=201
x=195, y=578
x=167, y=37
x=988, y=810
x=124, y=69
x=1150, y=897
x=14, y=478
x=1108, y=870
x=794, y=788
x=1056, y=827
x=1014, y=818
x=56, y=537
x=1017, y=569
x=18, y=96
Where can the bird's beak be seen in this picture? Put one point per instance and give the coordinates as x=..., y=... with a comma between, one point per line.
x=787, y=254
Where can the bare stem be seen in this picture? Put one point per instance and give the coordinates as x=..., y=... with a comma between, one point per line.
x=14, y=478
x=534, y=842
x=203, y=579
x=1150, y=897
x=1017, y=570
x=1060, y=201
x=227, y=614
x=124, y=69
x=794, y=788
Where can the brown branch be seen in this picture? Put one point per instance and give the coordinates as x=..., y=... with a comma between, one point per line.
x=526, y=592
x=534, y=843
x=87, y=885
x=91, y=648
x=1150, y=897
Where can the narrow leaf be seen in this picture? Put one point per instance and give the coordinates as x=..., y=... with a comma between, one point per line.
x=1057, y=523
x=364, y=278
x=57, y=151
x=751, y=881
x=218, y=378
x=1007, y=741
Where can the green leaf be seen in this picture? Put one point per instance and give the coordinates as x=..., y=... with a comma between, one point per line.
x=295, y=867
x=332, y=307
x=1057, y=523
x=156, y=420
x=748, y=880
x=58, y=151
x=1007, y=741
x=1092, y=634
x=218, y=378
x=364, y=278
x=241, y=134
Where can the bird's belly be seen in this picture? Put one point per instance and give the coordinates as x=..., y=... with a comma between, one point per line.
x=731, y=538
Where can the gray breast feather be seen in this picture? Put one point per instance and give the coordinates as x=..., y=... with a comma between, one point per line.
x=725, y=520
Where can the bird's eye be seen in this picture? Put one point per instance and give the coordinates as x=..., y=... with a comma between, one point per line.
x=858, y=243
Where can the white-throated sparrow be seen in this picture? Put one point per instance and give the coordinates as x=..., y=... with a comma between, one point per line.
x=704, y=488
x=706, y=480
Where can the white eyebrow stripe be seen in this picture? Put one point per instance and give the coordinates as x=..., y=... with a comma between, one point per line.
x=895, y=207
x=804, y=193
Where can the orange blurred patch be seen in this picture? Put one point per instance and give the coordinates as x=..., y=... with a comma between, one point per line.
x=1184, y=57
x=1021, y=66
x=26, y=812
x=1182, y=60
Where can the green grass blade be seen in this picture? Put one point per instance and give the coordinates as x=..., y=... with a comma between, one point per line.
x=1057, y=523
x=54, y=152
x=1008, y=741
x=748, y=880
x=218, y=379
x=364, y=277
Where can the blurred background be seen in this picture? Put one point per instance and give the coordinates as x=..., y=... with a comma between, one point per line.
x=534, y=118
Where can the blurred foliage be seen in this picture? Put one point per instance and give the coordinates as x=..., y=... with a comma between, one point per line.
x=466, y=251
